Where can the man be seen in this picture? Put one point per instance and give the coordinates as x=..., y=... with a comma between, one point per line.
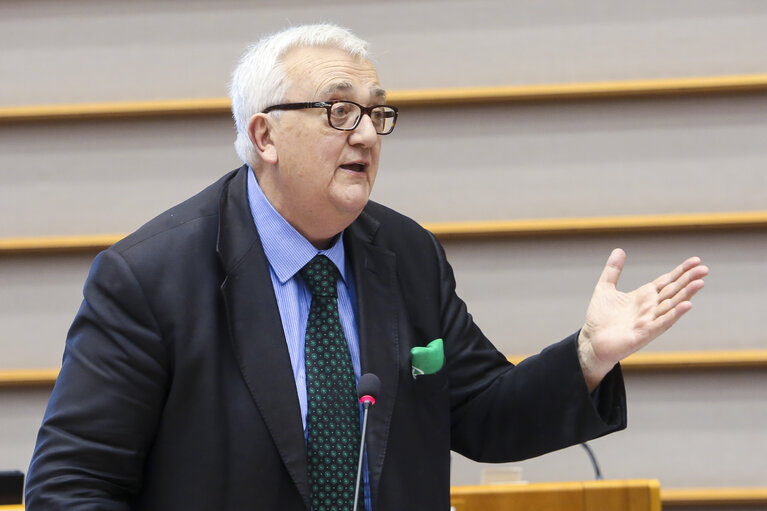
x=191, y=380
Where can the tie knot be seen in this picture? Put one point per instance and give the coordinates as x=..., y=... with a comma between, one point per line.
x=319, y=274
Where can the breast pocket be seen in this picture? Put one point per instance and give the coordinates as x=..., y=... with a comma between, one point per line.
x=427, y=384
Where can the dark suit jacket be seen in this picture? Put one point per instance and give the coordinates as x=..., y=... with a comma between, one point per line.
x=176, y=390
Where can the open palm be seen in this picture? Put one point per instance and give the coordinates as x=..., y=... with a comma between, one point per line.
x=618, y=324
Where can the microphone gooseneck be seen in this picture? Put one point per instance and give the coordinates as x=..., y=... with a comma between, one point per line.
x=594, y=463
x=367, y=390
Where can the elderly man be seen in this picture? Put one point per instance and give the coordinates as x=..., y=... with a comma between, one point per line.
x=214, y=360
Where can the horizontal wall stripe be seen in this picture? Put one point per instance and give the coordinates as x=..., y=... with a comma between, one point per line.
x=642, y=361
x=58, y=244
x=410, y=98
x=732, y=221
x=672, y=361
x=600, y=225
x=28, y=377
x=588, y=90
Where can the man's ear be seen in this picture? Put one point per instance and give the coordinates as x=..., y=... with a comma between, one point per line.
x=260, y=132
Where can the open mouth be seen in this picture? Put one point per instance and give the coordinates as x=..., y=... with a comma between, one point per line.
x=355, y=167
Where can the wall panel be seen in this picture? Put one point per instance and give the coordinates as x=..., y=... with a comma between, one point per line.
x=111, y=50
x=39, y=297
x=701, y=429
x=106, y=176
x=554, y=159
x=527, y=293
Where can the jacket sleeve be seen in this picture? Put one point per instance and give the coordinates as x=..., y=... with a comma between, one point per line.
x=105, y=406
x=502, y=412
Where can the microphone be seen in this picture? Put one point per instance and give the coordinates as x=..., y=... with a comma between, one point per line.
x=367, y=390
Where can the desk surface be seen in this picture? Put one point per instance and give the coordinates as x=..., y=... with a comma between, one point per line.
x=618, y=495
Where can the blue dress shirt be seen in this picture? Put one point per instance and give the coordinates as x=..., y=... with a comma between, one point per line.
x=287, y=252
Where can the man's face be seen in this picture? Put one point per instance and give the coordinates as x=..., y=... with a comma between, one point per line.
x=323, y=177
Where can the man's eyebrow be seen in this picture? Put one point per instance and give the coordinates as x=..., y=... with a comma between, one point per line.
x=338, y=87
x=379, y=93
x=347, y=86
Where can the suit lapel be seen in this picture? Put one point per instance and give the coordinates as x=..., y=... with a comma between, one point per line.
x=377, y=302
x=256, y=329
x=259, y=343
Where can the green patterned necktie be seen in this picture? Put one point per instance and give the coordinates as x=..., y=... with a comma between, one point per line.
x=332, y=418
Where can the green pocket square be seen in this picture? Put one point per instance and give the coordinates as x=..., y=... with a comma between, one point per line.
x=427, y=360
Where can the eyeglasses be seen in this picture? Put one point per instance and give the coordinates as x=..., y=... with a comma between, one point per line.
x=346, y=115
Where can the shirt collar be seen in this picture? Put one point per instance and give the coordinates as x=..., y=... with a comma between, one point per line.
x=286, y=249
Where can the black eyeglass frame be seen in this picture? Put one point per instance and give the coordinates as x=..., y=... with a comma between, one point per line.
x=327, y=105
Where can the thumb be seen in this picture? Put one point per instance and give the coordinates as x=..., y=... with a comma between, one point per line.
x=613, y=268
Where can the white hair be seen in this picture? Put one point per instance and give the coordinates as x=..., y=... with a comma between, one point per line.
x=259, y=80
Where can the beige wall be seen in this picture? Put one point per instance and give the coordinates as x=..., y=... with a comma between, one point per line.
x=564, y=159
x=79, y=50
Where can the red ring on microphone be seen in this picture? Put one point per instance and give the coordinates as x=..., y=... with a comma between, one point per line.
x=369, y=399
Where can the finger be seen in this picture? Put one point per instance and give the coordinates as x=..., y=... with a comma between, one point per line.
x=667, y=320
x=674, y=274
x=691, y=275
x=613, y=268
x=685, y=295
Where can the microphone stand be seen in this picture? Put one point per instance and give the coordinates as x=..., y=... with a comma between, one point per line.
x=593, y=458
x=366, y=407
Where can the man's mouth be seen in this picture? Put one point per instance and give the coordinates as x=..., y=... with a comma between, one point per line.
x=355, y=167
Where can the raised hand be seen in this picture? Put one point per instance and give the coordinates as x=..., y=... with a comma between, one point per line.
x=619, y=324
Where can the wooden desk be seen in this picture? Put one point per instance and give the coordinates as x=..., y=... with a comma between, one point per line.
x=625, y=495
x=628, y=495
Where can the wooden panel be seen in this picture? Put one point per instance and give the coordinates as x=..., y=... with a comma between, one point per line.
x=598, y=497
x=734, y=359
x=419, y=98
x=714, y=497
x=590, y=90
x=633, y=495
x=660, y=361
x=58, y=244
x=28, y=377
x=599, y=225
x=622, y=495
x=627, y=495
x=532, y=497
x=496, y=229
x=120, y=109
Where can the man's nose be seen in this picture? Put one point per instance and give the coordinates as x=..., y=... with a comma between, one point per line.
x=365, y=133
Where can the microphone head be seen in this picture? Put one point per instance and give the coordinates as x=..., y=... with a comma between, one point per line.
x=368, y=387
